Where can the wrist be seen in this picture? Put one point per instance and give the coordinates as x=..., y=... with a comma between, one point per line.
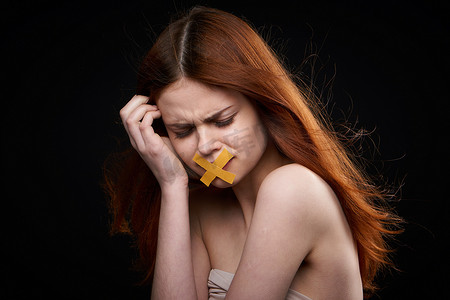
x=174, y=189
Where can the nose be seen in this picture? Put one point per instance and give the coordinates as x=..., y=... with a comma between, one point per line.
x=208, y=143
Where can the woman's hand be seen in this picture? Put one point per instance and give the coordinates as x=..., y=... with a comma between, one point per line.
x=157, y=152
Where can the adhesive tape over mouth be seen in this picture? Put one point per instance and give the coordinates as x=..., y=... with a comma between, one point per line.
x=214, y=169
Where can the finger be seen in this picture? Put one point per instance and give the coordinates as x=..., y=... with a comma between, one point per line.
x=138, y=113
x=134, y=118
x=133, y=123
x=150, y=138
x=149, y=116
x=137, y=131
x=135, y=102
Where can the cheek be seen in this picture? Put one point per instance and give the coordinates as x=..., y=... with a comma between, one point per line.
x=249, y=140
x=261, y=136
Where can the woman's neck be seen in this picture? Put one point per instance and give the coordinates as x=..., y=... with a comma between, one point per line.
x=247, y=189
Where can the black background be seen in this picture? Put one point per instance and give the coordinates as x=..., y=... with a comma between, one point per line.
x=68, y=68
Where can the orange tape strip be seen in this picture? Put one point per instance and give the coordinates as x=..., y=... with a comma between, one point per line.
x=214, y=169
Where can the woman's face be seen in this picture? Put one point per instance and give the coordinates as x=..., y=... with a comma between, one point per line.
x=206, y=120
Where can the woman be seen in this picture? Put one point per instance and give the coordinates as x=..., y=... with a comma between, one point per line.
x=294, y=218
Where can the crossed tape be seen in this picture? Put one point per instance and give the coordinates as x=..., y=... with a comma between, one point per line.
x=214, y=169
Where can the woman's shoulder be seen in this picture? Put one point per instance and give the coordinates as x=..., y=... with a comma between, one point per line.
x=290, y=170
x=301, y=191
x=297, y=179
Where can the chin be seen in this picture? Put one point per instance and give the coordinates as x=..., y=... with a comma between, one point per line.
x=219, y=183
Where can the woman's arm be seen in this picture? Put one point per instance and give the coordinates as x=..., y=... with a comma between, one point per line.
x=287, y=221
x=174, y=275
x=174, y=272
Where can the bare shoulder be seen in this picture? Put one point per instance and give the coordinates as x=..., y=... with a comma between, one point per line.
x=315, y=224
x=295, y=182
x=301, y=191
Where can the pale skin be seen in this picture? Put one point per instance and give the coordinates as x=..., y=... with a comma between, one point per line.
x=279, y=226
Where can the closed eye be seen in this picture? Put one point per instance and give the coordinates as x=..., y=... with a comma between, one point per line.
x=219, y=124
x=183, y=134
x=225, y=122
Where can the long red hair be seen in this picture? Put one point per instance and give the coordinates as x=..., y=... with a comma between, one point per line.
x=218, y=48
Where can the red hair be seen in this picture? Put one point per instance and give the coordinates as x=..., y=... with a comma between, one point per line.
x=217, y=48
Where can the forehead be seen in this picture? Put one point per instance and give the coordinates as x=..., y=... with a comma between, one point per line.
x=188, y=99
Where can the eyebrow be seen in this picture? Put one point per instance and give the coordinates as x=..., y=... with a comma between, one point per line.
x=209, y=119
